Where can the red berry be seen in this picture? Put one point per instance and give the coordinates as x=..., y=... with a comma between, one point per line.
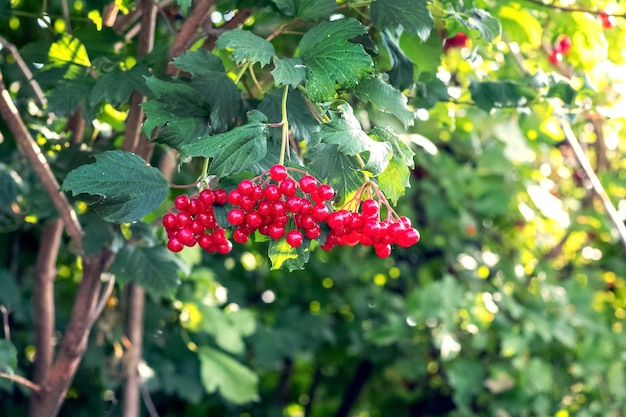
x=169, y=221
x=181, y=202
x=246, y=187
x=278, y=208
x=563, y=44
x=294, y=204
x=305, y=221
x=319, y=212
x=408, y=237
x=460, y=40
x=555, y=57
x=174, y=245
x=272, y=192
x=205, y=241
x=336, y=219
x=276, y=231
x=197, y=227
x=288, y=188
x=278, y=172
x=186, y=236
x=236, y=217
x=370, y=209
x=183, y=219
x=326, y=192
x=224, y=247
x=220, y=197
x=254, y=220
x=207, y=197
x=294, y=238
x=308, y=183
x=247, y=202
x=264, y=208
x=234, y=197
x=314, y=232
x=608, y=21
x=240, y=236
x=382, y=251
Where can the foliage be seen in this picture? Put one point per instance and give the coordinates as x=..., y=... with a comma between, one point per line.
x=513, y=302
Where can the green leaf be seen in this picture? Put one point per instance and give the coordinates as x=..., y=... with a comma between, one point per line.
x=288, y=71
x=386, y=98
x=228, y=328
x=8, y=356
x=520, y=26
x=11, y=295
x=429, y=91
x=178, y=113
x=283, y=255
x=5, y=9
x=335, y=168
x=345, y=131
x=480, y=19
x=402, y=68
x=301, y=121
x=563, y=89
x=155, y=269
x=331, y=60
x=394, y=180
x=235, y=151
x=247, y=46
x=98, y=233
x=128, y=189
x=235, y=382
x=498, y=94
x=68, y=50
x=184, y=6
x=212, y=83
x=68, y=95
x=116, y=86
x=412, y=15
x=306, y=9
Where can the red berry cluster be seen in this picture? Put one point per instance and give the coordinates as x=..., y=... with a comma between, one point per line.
x=195, y=223
x=360, y=222
x=562, y=46
x=270, y=204
x=277, y=205
x=460, y=40
x=608, y=21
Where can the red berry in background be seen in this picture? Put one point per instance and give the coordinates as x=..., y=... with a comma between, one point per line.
x=294, y=238
x=460, y=40
x=608, y=21
x=555, y=57
x=278, y=173
x=563, y=44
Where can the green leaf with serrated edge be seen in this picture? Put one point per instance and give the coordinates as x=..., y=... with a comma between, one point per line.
x=402, y=68
x=68, y=95
x=331, y=60
x=155, y=269
x=184, y=6
x=334, y=168
x=429, y=90
x=282, y=255
x=394, y=180
x=412, y=15
x=176, y=115
x=128, y=189
x=234, y=151
x=386, y=98
x=498, y=94
x=247, y=46
x=345, y=131
x=8, y=356
x=116, y=86
x=306, y=9
x=228, y=328
x=235, y=382
x=288, y=71
x=480, y=19
x=212, y=83
x=68, y=50
x=301, y=121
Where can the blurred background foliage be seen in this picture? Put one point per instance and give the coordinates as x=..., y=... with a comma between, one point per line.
x=512, y=304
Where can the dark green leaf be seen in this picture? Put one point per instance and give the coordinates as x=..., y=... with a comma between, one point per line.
x=116, y=86
x=246, y=46
x=178, y=113
x=395, y=178
x=98, y=233
x=233, y=152
x=5, y=9
x=331, y=60
x=335, y=168
x=301, y=121
x=212, y=83
x=128, y=189
x=11, y=295
x=283, y=255
x=8, y=356
x=306, y=9
x=498, y=94
x=345, y=131
x=402, y=68
x=412, y=15
x=155, y=269
x=289, y=71
x=561, y=88
x=386, y=98
x=229, y=329
x=235, y=382
x=68, y=95
x=480, y=19
x=184, y=6
x=429, y=91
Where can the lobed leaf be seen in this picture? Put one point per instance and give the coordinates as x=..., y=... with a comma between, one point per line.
x=235, y=382
x=282, y=255
x=288, y=71
x=335, y=168
x=247, y=46
x=128, y=189
x=306, y=9
x=412, y=15
x=402, y=68
x=497, y=94
x=386, y=98
x=394, y=180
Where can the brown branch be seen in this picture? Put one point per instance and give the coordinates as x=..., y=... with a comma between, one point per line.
x=147, y=400
x=47, y=402
x=25, y=141
x=25, y=70
x=596, y=185
x=106, y=294
x=20, y=380
x=572, y=9
x=186, y=34
x=5, y=322
x=136, y=301
x=43, y=295
x=214, y=33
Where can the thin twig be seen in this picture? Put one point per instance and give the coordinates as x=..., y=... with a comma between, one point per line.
x=20, y=380
x=25, y=70
x=597, y=186
x=5, y=322
x=40, y=165
x=66, y=16
x=104, y=298
x=147, y=400
x=572, y=9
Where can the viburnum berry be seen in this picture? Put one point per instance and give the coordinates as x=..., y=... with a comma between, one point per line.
x=236, y=217
x=294, y=238
x=308, y=183
x=608, y=21
x=174, y=245
x=181, y=202
x=555, y=57
x=563, y=44
x=278, y=173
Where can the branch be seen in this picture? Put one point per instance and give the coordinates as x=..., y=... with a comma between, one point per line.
x=593, y=178
x=147, y=400
x=25, y=70
x=104, y=298
x=20, y=380
x=131, y=405
x=22, y=136
x=43, y=295
x=572, y=9
x=184, y=38
x=214, y=33
x=353, y=391
x=5, y=322
x=317, y=378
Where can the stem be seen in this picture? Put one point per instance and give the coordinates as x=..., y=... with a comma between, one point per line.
x=366, y=177
x=572, y=9
x=5, y=322
x=25, y=70
x=20, y=380
x=241, y=72
x=285, y=123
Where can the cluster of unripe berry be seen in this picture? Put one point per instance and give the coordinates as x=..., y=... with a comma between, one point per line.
x=277, y=205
